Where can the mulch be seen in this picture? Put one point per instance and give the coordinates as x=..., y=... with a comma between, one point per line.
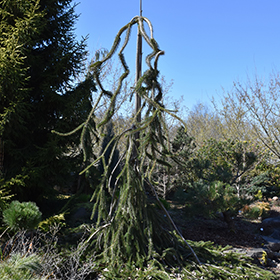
x=246, y=234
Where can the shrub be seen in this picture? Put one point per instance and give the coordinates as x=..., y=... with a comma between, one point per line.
x=256, y=210
x=22, y=215
x=210, y=198
x=47, y=224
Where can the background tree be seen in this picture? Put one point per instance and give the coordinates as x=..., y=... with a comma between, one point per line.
x=179, y=173
x=252, y=111
x=226, y=119
x=15, y=31
x=203, y=123
x=47, y=60
x=227, y=160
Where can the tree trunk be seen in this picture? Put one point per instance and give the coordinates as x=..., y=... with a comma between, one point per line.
x=229, y=220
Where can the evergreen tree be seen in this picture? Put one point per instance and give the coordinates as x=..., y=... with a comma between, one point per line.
x=184, y=146
x=178, y=174
x=130, y=232
x=39, y=93
x=129, y=228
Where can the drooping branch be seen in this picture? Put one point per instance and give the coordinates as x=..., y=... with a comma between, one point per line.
x=125, y=225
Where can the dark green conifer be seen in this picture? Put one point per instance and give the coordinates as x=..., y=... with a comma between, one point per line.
x=39, y=93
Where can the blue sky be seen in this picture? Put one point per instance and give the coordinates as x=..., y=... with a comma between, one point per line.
x=208, y=44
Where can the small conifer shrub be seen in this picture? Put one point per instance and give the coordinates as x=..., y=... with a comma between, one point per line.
x=22, y=215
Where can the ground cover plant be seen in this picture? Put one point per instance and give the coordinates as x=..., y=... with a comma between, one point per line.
x=47, y=255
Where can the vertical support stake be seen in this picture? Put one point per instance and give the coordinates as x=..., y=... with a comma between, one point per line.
x=138, y=75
